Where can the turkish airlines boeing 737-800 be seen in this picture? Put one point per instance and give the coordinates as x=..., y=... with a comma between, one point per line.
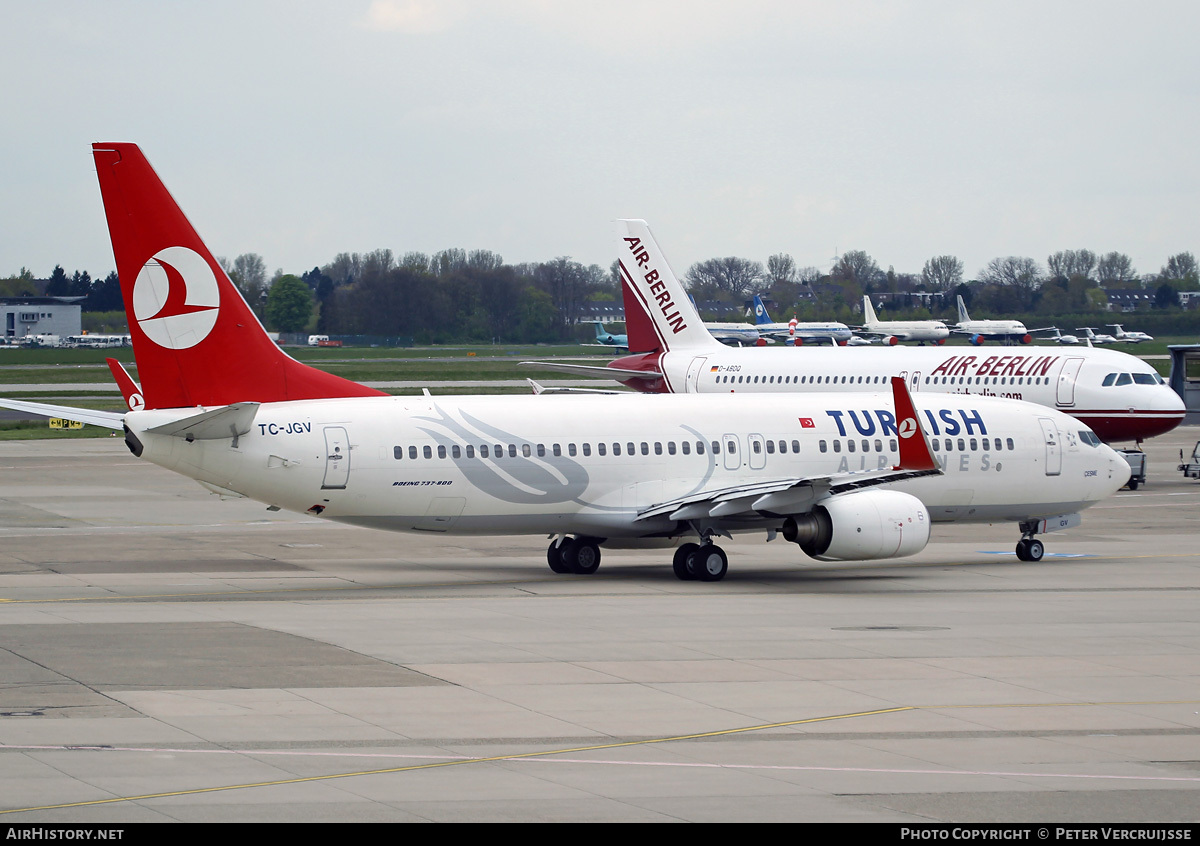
x=846, y=476
x=1120, y=396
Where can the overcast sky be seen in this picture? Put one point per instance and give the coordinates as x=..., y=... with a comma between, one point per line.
x=298, y=130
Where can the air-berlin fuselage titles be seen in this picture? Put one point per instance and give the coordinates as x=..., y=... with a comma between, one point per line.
x=1120, y=396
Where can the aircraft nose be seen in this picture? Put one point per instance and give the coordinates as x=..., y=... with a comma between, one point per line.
x=1119, y=471
x=1167, y=400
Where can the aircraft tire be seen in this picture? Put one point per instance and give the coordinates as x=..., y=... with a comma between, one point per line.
x=680, y=562
x=1034, y=549
x=710, y=563
x=583, y=557
x=554, y=557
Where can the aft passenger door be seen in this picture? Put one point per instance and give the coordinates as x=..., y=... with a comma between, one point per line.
x=337, y=458
x=695, y=371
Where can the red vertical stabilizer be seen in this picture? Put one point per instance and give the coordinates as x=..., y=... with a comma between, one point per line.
x=196, y=341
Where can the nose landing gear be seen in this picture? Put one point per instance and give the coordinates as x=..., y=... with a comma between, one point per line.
x=1030, y=549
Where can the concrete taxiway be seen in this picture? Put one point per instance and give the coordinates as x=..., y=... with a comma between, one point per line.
x=165, y=655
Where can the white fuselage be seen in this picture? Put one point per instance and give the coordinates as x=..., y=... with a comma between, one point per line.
x=992, y=328
x=741, y=334
x=1071, y=381
x=909, y=330
x=560, y=464
x=808, y=331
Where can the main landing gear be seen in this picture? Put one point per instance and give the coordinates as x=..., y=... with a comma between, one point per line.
x=702, y=562
x=705, y=562
x=1030, y=549
x=574, y=555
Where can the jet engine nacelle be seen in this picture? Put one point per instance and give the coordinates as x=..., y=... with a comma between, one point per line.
x=891, y=340
x=761, y=342
x=1026, y=339
x=977, y=340
x=858, y=526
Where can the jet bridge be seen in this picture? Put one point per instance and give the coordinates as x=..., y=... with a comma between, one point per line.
x=1185, y=378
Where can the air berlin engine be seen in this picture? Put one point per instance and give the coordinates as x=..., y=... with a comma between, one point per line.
x=858, y=526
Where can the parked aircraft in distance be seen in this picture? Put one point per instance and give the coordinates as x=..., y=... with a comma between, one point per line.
x=680, y=358
x=893, y=332
x=1090, y=334
x=847, y=476
x=1124, y=337
x=1059, y=338
x=795, y=332
x=978, y=331
x=604, y=338
x=733, y=334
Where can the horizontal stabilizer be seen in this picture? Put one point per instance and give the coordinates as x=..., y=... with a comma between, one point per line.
x=107, y=419
x=596, y=370
x=229, y=421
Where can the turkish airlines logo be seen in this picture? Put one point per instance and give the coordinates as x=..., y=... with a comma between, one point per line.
x=135, y=402
x=907, y=427
x=175, y=298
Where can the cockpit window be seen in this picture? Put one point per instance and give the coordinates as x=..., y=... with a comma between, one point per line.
x=1133, y=379
x=1089, y=437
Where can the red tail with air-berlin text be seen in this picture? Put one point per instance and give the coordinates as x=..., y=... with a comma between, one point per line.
x=196, y=341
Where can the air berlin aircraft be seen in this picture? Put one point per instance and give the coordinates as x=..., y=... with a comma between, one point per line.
x=1121, y=397
x=845, y=476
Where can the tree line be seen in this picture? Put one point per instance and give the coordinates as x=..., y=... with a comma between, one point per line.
x=474, y=296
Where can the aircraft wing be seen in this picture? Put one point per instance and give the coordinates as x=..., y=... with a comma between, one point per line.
x=106, y=419
x=598, y=371
x=797, y=495
x=777, y=496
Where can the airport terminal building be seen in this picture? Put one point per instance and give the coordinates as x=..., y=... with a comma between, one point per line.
x=25, y=317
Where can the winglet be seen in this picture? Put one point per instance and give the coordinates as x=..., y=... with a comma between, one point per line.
x=129, y=388
x=915, y=453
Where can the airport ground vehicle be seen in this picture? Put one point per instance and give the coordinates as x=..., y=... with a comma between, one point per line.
x=1191, y=468
x=1137, y=467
